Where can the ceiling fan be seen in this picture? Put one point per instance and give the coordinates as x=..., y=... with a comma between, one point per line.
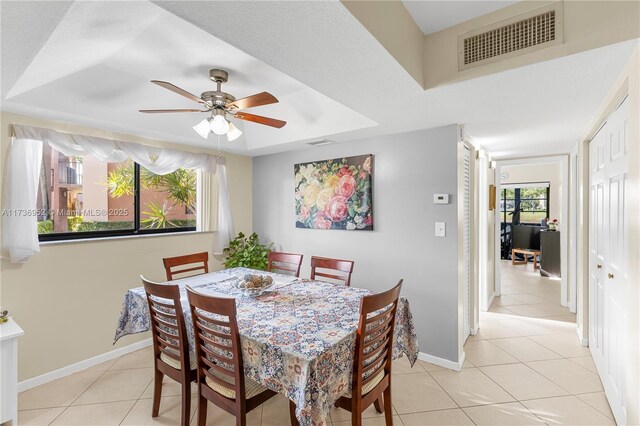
x=221, y=104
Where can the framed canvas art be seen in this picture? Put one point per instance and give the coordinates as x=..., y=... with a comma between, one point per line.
x=335, y=194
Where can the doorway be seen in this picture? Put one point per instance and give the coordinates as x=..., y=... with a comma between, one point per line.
x=531, y=242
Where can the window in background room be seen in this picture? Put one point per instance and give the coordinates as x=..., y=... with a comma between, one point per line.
x=81, y=197
x=532, y=198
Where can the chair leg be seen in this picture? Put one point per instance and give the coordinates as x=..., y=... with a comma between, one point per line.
x=241, y=419
x=186, y=402
x=157, y=392
x=356, y=418
x=292, y=413
x=388, y=412
x=202, y=410
x=378, y=404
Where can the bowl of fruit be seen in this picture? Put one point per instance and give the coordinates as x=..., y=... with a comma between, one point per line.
x=254, y=284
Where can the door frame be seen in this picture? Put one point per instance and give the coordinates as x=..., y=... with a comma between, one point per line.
x=568, y=295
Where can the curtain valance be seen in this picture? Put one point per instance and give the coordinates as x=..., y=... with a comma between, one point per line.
x=160, y=161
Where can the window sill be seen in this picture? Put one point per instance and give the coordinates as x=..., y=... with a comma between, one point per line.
x=122, y=237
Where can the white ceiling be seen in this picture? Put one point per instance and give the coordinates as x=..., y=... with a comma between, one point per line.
x=433, y=16
x=95, y=68
x=90, y=63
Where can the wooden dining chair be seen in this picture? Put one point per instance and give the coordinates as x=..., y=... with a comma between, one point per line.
x=340, y=269
x=171, y=355
x=200, y=260
x=284, y=263
x=373, y=357
x=221, y=378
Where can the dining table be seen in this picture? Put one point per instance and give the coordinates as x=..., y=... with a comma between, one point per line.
x=297, y=337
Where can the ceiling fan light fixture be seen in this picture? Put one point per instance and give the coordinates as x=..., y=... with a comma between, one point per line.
x=219, y=125
x=233, y=133
x=203, y=128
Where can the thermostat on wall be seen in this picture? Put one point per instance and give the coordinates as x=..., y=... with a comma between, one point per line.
x=440, y=198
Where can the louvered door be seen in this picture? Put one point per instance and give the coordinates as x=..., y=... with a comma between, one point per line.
x=467, y=241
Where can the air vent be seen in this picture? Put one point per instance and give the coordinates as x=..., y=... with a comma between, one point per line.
x=320, y=142
x=524, y=33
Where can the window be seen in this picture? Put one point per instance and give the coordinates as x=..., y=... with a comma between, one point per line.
x=81, y=197
x=533, y=200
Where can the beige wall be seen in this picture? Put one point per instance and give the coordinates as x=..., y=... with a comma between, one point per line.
x=587, y=25
x=627, y=84
x=432, y=60
x=67, y=298
x=395, y=29
x=539, y=173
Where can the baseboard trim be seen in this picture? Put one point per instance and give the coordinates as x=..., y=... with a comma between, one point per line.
x=490, y=302
x=584, y=341
x=79, y=366
x=451, y=365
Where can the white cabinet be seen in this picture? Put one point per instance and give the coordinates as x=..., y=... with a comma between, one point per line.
x=9, y=333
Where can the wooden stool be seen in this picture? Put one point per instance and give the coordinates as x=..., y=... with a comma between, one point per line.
x=526, y=253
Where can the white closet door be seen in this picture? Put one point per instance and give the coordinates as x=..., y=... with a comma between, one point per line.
x=608, y=279
x=467, y=242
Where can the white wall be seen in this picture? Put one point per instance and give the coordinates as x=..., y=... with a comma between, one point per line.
x=538, y=173
x=408, y=169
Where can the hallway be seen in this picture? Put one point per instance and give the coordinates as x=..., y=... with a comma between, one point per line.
x=526, y=293
x=527, y=345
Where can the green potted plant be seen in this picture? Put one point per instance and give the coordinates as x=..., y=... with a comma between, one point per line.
x=247, y=252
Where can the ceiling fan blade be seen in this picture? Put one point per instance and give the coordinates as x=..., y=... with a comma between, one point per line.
x=179, y=91
x=158, y=111
x=260, y=119
x=259, y=99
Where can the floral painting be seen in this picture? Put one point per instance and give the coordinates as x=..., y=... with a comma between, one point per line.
x=335, y=194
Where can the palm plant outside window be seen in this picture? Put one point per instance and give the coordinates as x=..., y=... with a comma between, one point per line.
x=80, y=197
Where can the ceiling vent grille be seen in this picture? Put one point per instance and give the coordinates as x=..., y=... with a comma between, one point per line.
x=534, y=30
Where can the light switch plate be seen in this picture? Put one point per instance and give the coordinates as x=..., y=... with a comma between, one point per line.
x=441, y=229
x=440, y=198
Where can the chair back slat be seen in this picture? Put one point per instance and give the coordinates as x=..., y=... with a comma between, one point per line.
x=171, y=264
x=344, y=269
x=284, y=263
x=374, y=341
x=167, y=322
x=217, y=340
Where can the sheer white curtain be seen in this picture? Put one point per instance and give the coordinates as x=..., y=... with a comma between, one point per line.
x=224, y=229
x=20, y=237
x=19, y=222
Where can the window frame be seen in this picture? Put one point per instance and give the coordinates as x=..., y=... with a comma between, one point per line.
x=135, y=231
x=516, y=198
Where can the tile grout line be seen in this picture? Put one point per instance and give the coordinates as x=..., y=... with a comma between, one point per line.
x=512, y=396
x=447, y=393
x=82, y=393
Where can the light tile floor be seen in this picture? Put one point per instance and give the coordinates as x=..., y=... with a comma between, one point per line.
x=519, y=371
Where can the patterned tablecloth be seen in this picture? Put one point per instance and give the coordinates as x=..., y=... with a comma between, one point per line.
x=297, y=339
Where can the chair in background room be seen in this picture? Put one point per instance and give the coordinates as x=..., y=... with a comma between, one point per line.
x=284, y=263
x=373, y=357
x=170, y=348
x=200, y=260
x=220, y=366
x=340, y=269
